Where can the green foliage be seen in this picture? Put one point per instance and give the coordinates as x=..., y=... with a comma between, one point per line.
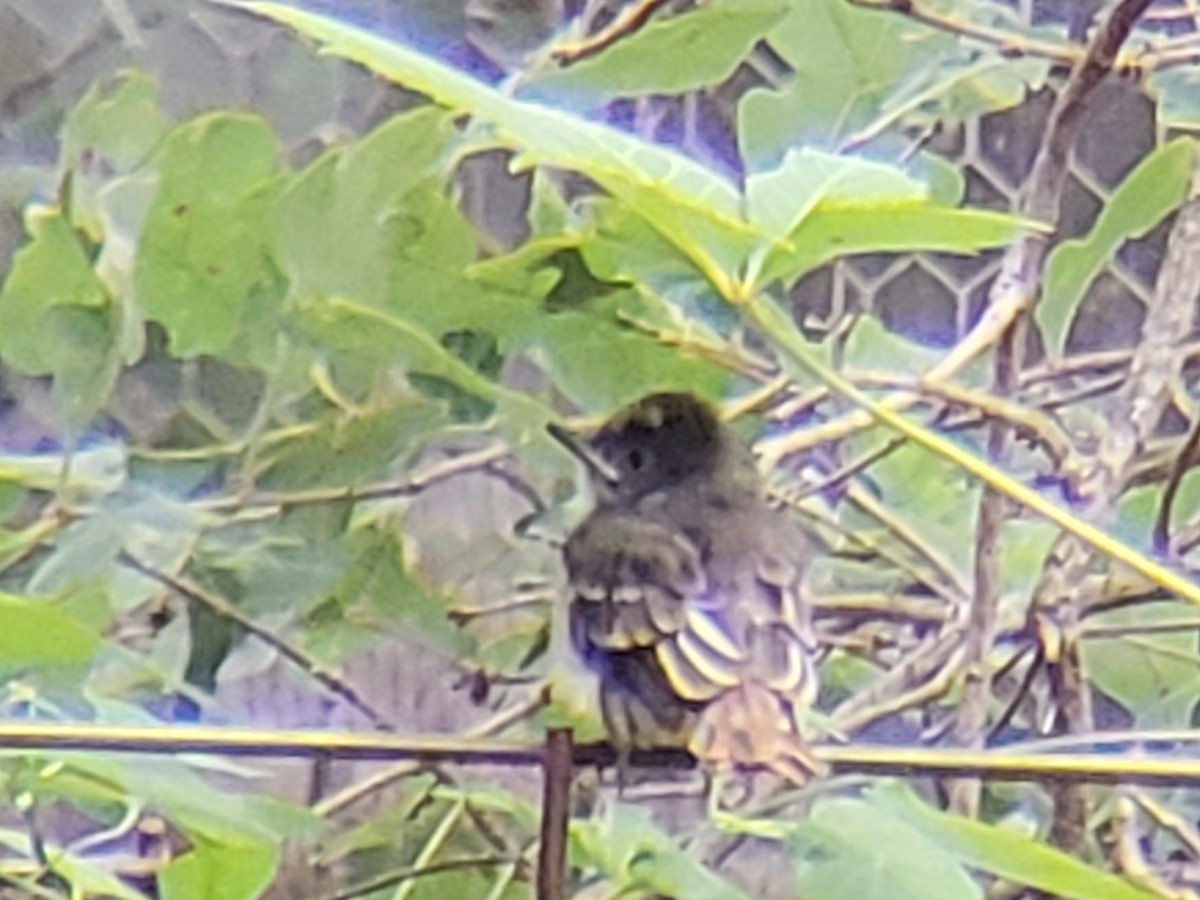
x=888, y=842
x=669, y=56
x=282, y=340
x=1149, y=193
x=37, y=634
x=1152, y=676
x=850, y=848
x=202, y=253
x=857, y=74
x=639, y=860
x=997, y=851
x=56, y=318
x=695, y=210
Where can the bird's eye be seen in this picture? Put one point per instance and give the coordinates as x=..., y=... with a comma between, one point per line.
x=636, y=460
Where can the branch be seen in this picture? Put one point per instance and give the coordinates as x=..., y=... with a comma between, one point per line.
x=1017, y=285
x=407, y=486
x=400, y=876
x=1056, y=607
x=223, y=608
x=1103, y=766
x=628, y=20
x=1007, y=43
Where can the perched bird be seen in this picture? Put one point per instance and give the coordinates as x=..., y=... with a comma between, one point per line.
x=686, y=591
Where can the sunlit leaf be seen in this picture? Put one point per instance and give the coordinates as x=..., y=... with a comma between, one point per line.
x=862, y=75
x=781, y=198
x=203, y=252
x=828, y=234
x=211, y=870
x=670, y=55
x=39, y=633
x=698, y=210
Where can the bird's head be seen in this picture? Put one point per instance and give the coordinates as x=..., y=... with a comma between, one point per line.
x=658, y=442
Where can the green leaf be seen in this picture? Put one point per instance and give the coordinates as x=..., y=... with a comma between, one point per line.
x=379, y=595
x=1024, y=546
x=870, y=346
x=849, y=849
x=113, y=129
x=356, y=224
x=87, y=474
x=155, y=528
x=1155, y=677
x=697, y=210
x=1003, y=853
x=202, y=252
x=39, y=633
x=217, y=871
x=56, y=318
x=624, y=249
x=1138, y=509
x=1177, y=90
x=634, y=854
x=861, y=76
x=340, y=450
x=1149, y=193
x=671, y=55
x=580, y=348
x=848, y=63
x=827, y=234
x=356, y=329
x=175, y=789
x=780, y=199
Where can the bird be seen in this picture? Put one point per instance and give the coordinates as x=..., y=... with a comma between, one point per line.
x=685, y=591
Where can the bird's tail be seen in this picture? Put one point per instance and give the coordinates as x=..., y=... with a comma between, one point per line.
x=753, y=726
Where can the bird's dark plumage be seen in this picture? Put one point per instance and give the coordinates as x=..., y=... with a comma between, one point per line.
x=686, y=591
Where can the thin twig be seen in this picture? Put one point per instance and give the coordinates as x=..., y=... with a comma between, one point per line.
x=948, y=592
x=864, y=501
x=220, y=606
x=630, y=19
x=409, y=874
x=505, y=719
x=1179, y=467
x=1129, y=853
x=1059, y=602
x=915, y=669
x=1178, y=825
x=1006, y=42
x=970, y=728
x=407, y=486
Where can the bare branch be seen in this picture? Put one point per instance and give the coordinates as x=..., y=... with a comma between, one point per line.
x=223, y=608
x=630, y=19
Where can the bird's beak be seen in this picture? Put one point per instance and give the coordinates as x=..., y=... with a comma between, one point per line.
x=597, y=466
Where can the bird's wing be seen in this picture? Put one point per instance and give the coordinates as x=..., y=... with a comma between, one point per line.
x=745, y=626
x=631, y=579
x=640, y=584
x=742, y=651
x=672, y=638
